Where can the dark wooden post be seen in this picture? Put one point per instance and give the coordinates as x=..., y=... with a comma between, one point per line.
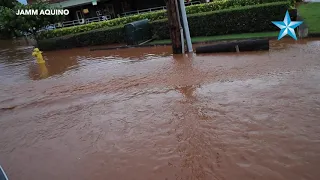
x=174, y=26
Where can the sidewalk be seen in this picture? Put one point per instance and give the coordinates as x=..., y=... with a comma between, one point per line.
x=205, y=39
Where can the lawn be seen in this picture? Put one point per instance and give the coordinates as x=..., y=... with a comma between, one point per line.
x=223, y=37
x=311, y=14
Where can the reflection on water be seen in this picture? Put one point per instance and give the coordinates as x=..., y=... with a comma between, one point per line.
x=144, y=114
x=187, y=91
x=15, y=58
x=38, y=71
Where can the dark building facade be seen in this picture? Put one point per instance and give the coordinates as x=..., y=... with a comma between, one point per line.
x=86, y=9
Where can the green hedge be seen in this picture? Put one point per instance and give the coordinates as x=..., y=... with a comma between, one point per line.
x=247, y=19
x=225, y=4
x=96, y=37
x=153, y=16
x=103, y=24
x=256, y=18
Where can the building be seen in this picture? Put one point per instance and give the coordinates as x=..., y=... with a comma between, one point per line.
x=86, y=11
x=89, y=9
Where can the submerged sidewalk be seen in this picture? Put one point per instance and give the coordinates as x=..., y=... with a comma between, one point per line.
x=205, y=39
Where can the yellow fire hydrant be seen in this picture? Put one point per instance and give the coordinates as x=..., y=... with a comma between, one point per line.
x=43, y=71
x=38, y=54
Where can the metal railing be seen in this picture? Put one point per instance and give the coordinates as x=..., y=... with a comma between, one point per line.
x=97, y=19
x=71, y=23
x=107, y=17
x=77, y=22
x=144, y=11
x=154, y=9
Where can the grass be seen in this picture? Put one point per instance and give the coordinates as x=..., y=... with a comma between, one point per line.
x=223, y=37
x=311, y=14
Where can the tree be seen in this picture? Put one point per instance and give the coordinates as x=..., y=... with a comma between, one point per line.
x=8, y=3
x=12, y=23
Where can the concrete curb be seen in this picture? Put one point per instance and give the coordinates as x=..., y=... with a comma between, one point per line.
x=235, y=46
x=169, y=44
x=235, y=39
x=314, y=34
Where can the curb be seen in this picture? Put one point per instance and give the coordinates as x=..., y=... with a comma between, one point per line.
x=314, y=34
x=235, y=46
x=236, y=39
x=169, y=44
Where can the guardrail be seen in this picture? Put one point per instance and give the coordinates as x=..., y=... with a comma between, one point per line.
x=154, y=9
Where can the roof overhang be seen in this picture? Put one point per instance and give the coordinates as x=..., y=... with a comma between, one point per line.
x=71, y=3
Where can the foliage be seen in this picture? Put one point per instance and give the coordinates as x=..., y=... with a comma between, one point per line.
x=225, y=4
x=201, y=39
x=104, y=24
x=9, y=24
x=10, y=21
x=152, y=16
x=95, y=37
x=8, y=3
x=256, y=18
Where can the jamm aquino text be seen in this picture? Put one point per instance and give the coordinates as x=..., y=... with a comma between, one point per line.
x=47, y=12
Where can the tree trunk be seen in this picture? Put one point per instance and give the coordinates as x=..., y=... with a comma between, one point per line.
x=34, y=35
x=174, y=26
x=14, y=33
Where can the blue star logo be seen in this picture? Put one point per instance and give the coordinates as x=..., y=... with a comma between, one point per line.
x=287, y=26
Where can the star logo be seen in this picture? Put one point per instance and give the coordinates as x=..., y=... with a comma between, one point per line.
x=287, y=26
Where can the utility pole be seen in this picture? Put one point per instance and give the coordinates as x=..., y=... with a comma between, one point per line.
x=185, y=25
x=174, y=26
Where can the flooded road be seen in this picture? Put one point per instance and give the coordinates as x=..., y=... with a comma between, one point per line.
x=143, y=114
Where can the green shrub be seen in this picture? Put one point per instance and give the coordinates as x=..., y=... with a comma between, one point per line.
x=103, y=24
x=256, y=18
x=152, y=16
x=225, y=4
x=96, y=37
x=160, y=29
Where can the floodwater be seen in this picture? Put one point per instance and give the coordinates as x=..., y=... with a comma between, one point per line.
x=143, y=114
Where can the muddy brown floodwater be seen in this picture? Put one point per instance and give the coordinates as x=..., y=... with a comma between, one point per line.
x=143, y=114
